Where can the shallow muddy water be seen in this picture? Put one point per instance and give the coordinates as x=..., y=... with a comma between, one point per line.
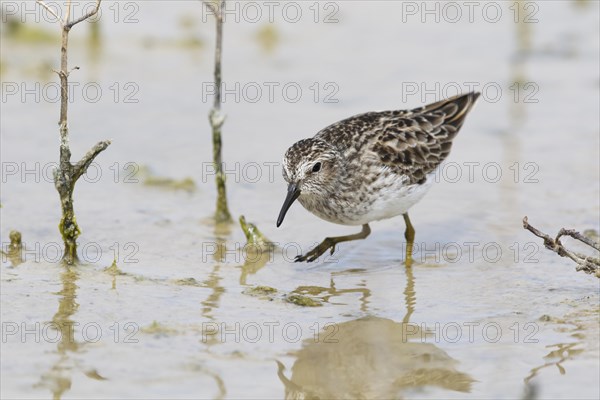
x=187, y=312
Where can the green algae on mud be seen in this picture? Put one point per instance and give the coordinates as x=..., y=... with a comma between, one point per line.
x=188, y=282
x=260, y=291
x=269, y=293
x=255, y=239
x=303, y=301
x=24, y=33
x=268, y=37
x=149, y=179
x=324, y=294
x=158, y=329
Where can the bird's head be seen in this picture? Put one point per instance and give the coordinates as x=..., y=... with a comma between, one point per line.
x=311, y=167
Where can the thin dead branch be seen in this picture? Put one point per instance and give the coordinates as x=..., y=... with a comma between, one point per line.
x=84, y=17
x=67, y=173
x=587, y=264
x=51, y=11
x=216, y=118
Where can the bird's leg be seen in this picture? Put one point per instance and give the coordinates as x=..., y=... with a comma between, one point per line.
x=409, y=234
x=330, y=242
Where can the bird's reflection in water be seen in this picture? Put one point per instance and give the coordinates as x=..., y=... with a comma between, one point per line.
x=371, y=357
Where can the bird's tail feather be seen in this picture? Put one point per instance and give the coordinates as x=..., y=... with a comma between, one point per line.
x=454, y=109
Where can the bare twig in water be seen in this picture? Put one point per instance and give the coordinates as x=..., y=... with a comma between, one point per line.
x=587, y=264
x=67, y=174
x=216, y=119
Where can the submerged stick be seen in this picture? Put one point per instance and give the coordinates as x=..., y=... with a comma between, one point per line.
x=217, y=119
x=587, y=264
x=67, y=174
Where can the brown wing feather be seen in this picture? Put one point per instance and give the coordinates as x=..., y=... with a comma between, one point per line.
x=414, y=143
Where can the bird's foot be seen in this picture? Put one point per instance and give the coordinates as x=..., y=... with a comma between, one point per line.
x=328, y=243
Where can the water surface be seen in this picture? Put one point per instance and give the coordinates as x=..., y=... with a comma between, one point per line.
x=485, y=311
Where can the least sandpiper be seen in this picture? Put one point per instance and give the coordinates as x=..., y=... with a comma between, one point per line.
x=371, y=166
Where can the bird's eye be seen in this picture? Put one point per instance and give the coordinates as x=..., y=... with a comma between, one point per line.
x=316, y=167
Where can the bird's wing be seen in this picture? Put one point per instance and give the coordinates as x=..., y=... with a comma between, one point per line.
x=414, y=143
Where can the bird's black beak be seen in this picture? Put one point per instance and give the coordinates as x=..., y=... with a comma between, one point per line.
x=292, y=195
